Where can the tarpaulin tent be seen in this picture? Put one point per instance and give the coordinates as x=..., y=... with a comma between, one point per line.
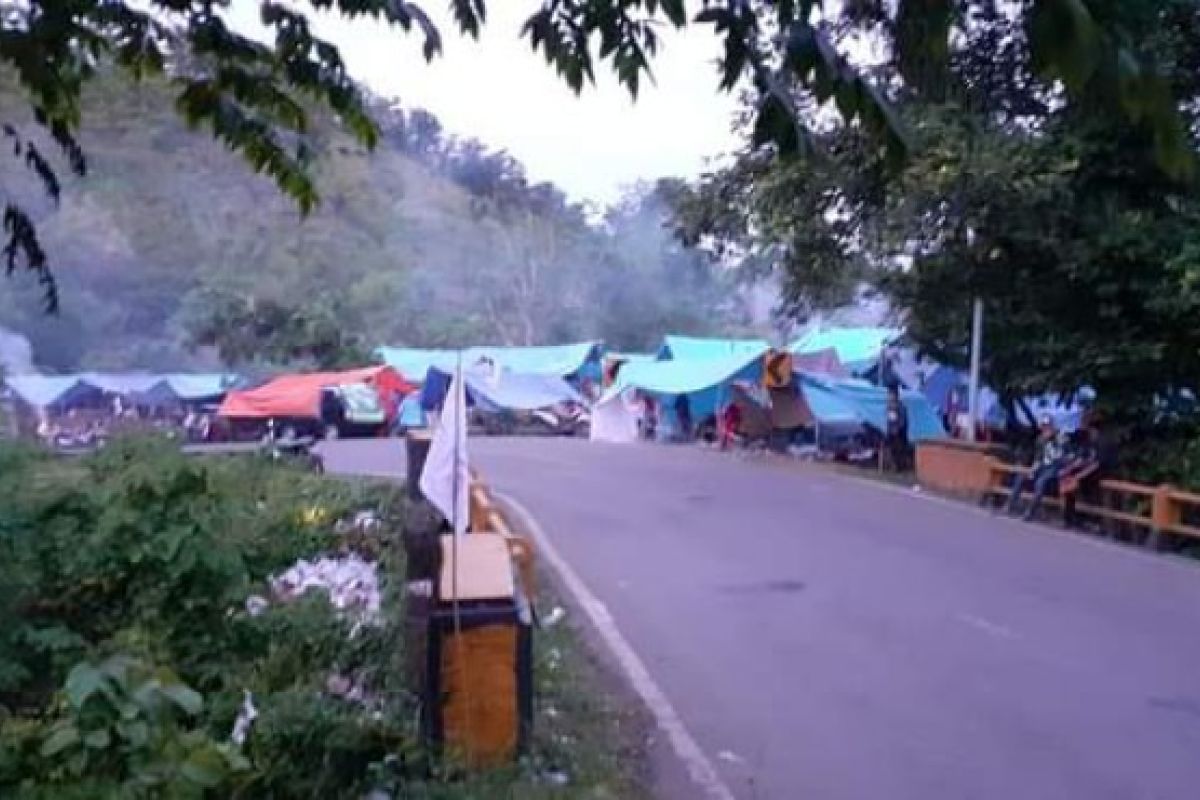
x=693, y=347
x=414, y=362
x=299, y=396
x=128, y=384
x=53, y=391
x=705, y=382
x=500, y=389
x=857, y=348
x=940, y=384
x=820, y=362
x=845, y=401
x=194, y=386
x=581, y=359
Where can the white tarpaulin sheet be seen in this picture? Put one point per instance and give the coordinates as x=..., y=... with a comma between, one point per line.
x=615, y=419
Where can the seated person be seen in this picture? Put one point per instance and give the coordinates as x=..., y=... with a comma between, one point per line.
x=1047, y=466
x=1094, y=458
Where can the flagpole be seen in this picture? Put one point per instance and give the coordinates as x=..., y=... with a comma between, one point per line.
x=454, y=608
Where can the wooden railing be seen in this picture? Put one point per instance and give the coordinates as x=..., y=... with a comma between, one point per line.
x=486, y=517
x=1154, y=510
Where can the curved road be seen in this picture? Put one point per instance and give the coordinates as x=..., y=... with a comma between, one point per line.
x=827, y=638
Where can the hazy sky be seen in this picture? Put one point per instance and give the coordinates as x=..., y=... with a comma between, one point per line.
x=500, y=92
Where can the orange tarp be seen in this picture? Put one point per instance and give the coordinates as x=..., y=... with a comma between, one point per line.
x=300, y=395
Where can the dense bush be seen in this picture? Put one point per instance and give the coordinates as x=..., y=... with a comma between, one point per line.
x=126, y=649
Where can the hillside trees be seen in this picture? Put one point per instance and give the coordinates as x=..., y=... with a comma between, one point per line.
x=253, y=97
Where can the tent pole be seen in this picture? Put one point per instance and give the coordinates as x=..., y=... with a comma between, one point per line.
x=976, y=358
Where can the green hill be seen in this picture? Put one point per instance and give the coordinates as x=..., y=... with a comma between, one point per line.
x=430, y=239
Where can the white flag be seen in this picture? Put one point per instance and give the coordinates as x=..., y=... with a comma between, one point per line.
x=446, y=477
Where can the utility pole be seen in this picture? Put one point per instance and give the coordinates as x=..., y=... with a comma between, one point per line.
x=976, y=357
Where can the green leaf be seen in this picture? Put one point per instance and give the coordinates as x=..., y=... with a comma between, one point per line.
x=205, y=767
x=97, y=739
x=188, y=700
x=83, y=681
x=64, y=737
x=136, y=733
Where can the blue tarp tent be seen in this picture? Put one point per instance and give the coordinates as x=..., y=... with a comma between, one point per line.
x=940, y=383
x=630, y=358
x=123, y=383
x=566, y=360
x=413, y=362
x=53, y=391
x=581, y=359
x=704, y=381
x=857, y=348
x=500, y=389
x=840, y=401
x=692, y=347
x=189, y=387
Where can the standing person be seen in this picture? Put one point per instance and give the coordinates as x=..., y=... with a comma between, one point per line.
x=649, y=416
x=683, y=414
x=896, y=435
x=1049, y=459
x=730, y=423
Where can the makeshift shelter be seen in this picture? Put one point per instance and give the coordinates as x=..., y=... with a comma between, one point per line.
x=54, y=392
x=757, y=422
x=857, y=348
x=414, y=362
x=940, y=385
x=853, y=402
x=580, y=360
x=614, y=362
x=126, y=384
x=705, y=381
x=299, y=396
x=500, y=389
x=820, y=362
x=679, y=348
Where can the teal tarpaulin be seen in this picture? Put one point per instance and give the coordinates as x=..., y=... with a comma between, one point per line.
x=704, y=381
x=857, y=348
x=560, y=360
x=842, y=401
x=691, y=347
x=413, y=362
x=565, y=360
x=686, y=377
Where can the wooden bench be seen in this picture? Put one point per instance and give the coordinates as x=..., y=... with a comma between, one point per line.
x=1149, y=512
x=999, y=487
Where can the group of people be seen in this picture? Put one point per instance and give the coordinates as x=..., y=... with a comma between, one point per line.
x=1071, y=464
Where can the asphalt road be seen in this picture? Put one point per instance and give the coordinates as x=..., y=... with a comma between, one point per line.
x=826, y=638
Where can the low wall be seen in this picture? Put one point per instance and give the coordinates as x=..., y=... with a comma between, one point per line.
x=949, y=465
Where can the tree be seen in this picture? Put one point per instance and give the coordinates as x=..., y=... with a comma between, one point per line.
x=247, y=331
x=253, y=97
x=1058, y=215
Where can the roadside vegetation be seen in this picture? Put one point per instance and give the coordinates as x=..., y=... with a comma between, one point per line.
x=138, y=625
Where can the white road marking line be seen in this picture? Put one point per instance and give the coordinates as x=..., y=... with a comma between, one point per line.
x=987, y=626
x=700, y=769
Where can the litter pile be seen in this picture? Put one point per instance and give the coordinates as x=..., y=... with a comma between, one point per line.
x=351, y=583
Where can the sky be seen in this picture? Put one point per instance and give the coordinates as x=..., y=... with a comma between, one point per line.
x=500, y=92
